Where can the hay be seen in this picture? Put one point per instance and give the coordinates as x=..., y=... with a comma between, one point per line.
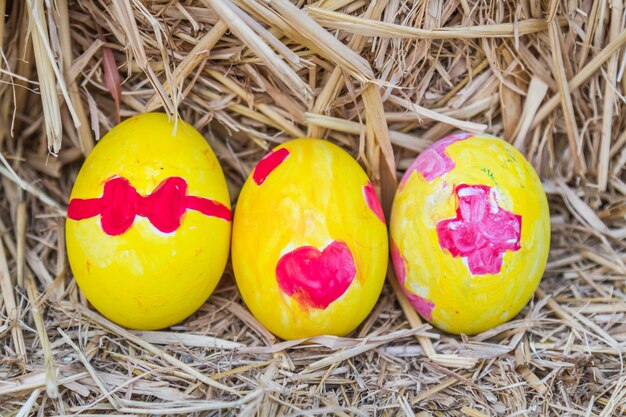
x=384, y=79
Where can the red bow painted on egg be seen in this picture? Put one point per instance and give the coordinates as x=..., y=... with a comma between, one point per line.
x=164, y=207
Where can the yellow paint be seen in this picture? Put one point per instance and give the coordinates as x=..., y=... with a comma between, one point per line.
x=465, y=303
x=143, y=278
x=313, y=197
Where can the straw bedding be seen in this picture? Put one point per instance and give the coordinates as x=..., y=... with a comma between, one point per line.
x=384, y=79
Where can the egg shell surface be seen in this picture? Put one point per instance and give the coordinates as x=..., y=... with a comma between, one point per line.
x=148, y=228
x=310, y=244
x=470, y=233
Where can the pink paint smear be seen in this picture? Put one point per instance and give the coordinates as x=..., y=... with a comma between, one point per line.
x=268, y=164
x=372, y=201
x=482, y=231
x=164, y=208
x=316, y=278
x=421, y=305
x=433, y=162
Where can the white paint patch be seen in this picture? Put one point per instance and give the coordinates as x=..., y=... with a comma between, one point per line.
x=289, y=248
x=469, y=191
x=466, y=263
x=493, y=202
x=417, y=289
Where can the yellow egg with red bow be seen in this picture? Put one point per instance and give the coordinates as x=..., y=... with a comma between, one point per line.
x=470, y=233
x=148, y=224
x=310, y=245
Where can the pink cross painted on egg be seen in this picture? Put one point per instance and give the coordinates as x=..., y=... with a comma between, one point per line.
x=482, y=231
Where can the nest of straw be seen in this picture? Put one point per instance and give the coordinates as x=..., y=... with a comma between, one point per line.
x=383, y=79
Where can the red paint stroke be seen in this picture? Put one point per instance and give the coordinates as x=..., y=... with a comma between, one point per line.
x=482, y=231
x=164, y=208
x=421, y=305
x=433, y=162
x=372, y=201
x=269, y=164
x=316, y=278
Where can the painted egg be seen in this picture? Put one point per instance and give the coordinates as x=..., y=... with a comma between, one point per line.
x=310, y=244
x=470, y=233
x=148, y=223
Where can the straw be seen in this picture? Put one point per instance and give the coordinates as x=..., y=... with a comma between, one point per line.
x=381, y=79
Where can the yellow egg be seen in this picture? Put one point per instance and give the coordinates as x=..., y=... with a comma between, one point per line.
x=470, y=233
x=309, y=241
x=149, y=220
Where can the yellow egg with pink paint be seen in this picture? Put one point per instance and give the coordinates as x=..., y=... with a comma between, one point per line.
x=470, y=233
x=310, y=244
x=148, y=223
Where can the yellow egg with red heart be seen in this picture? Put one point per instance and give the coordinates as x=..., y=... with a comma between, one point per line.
x=310, y=245
x=470, y=233
x=149, y=222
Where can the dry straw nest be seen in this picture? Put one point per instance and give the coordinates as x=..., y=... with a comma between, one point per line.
x=384, y=79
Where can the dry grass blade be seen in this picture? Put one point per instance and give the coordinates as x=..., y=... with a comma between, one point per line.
x=377, y=133
x=537, y=90
x=400, y=139
x=370, y=27
x=323, y=42
x=92, y=372
x=124, y=12
x=280, y=47
x=420, y=111
x=341, y=343
x=29, y=404
x=84, y=131
x=270, y=111
x=11, y=306
x=32, y=381
x=566, y=100
x=432, y=391
x=52, y=384
x=582, y=209
x=189, y=63
x=50, y=76
x=471, y=412
x=532, y=379
x=112, y=78
x=582, y=76
x=616, y=400
x=3, y=7
x=363, y=347
x=20, y=229
x=284, y=72
x=186, y=407
x=336, y=81
x=45, y=72
x=9, y=173
x=152, y=349
x=194, y=340
x=609, y=99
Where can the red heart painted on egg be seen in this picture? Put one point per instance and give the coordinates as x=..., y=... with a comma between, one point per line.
x=316, y=278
